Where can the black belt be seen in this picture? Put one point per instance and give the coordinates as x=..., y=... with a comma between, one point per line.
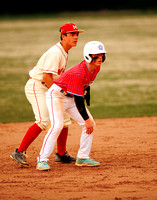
x=66, y=94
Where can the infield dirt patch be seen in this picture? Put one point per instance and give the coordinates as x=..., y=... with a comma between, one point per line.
x=126, y=148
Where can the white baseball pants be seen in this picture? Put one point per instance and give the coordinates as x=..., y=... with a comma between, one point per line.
x=57, y=103
x=36, y=95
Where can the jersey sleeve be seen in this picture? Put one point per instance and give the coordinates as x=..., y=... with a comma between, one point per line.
x=75, y=85
x=51, y=63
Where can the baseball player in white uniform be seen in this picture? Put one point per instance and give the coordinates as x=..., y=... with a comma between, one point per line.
x=49, y=67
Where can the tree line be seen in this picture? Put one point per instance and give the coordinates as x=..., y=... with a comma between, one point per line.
x=32, y=7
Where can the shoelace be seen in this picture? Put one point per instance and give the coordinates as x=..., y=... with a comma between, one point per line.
x=44, y=162
x=66, y=154
x=23, y=154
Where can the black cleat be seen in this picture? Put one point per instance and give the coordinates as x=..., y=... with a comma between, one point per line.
x=66, y=158
x=20, y=157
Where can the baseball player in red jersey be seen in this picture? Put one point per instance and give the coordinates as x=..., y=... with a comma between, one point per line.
x=67, y=94
x=49, y=67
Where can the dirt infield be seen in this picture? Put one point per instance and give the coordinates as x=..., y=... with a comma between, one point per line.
x=126, y=148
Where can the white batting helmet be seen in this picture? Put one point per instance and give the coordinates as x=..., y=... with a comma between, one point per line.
x=93, y=47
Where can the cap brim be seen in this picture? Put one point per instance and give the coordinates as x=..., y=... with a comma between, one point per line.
x=80, y=31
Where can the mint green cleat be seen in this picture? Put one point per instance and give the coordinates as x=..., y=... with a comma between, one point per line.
x=43, y=166
x=86, y=162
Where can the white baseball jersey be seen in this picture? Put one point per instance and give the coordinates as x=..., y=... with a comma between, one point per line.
x=53, y=61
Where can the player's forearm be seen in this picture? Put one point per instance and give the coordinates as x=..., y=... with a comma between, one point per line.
x=87, y=95
x=48, y=78
x=79, y=101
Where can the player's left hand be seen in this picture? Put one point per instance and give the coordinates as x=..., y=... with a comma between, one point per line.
x=89, y=123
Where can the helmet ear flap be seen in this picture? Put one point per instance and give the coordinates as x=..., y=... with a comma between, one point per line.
x=103, y=57
x=88, y=58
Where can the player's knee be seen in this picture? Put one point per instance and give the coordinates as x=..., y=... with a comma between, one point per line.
x=43, y=124
x=58, y=126
x=67, y=122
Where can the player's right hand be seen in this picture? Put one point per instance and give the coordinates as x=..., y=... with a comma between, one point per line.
x=89, y=123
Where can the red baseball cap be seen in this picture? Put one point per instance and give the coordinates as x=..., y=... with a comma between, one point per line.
x=69, y=27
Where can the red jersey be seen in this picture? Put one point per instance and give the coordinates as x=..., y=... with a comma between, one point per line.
x=76, y=79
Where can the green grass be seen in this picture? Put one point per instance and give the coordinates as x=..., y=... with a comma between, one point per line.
x=127, y=83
